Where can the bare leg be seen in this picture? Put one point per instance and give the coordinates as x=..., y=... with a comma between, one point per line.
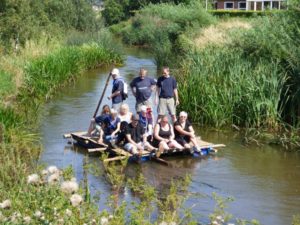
x=91, y=127
x=100, y=140
x=175, y=144
x=162, y=146
x=195, y=143
x=174, y=118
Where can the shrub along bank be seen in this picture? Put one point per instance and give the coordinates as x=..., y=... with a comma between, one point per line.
x=159, y=27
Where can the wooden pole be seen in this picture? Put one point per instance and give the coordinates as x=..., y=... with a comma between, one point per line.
x=102, y=95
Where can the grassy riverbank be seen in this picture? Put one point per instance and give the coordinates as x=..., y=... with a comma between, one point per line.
x=28, y=79
x=239, y=72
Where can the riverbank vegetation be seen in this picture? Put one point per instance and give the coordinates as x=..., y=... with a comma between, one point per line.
x=42, y=46
x=240, y=72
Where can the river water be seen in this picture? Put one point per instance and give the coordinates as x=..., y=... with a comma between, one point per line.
x=264, y=181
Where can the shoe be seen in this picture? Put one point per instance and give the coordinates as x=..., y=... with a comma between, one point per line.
x=197, y=149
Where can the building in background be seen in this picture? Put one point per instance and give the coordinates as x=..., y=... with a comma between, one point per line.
x=256, y=5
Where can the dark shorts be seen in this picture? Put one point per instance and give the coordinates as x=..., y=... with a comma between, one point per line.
x=183, y=140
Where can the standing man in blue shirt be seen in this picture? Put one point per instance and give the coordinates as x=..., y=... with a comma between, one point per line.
x=142, y=87
x=117, y=89
x=166, y=92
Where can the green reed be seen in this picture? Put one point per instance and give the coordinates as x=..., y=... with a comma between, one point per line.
x=44, y=75
x=219, y=87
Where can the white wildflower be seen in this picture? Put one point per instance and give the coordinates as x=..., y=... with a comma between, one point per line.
x=52, y=179
x=110, y=217
x=230, y=224
x=38, y=214
x=44, y=173
x=13, y=219
x=69, y=187
x=215, y=222
x=220, y=219
x=27, y=219
x=68, y=212
x=60, y=221
x=103, y=221
x=163, y=223
x=33, y=179
x=76, y=200
x=172, y=223
x=73, y=179
x=53, y=169
x=6, y=204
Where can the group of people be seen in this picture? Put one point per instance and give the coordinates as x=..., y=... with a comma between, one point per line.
x=138, y=132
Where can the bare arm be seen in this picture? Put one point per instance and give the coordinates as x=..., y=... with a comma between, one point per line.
x=116, y=130
x=114, y=94
x=157, y=95
x=172, y=133
x=133, y=91
x=181, y=131
x=176, y=96
x=128, y=136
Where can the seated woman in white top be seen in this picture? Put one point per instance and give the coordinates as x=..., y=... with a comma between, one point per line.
x=124, y=113
x=125, y=117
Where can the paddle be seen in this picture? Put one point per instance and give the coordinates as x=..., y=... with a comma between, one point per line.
x=99, y=103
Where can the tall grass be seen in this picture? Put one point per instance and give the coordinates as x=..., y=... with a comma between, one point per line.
x=44, y=75
x=220, y=87
x=7, y=85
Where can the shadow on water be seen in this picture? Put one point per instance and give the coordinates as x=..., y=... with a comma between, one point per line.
x=265, y=182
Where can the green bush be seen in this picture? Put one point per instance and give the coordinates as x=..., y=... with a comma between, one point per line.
x=159, y=26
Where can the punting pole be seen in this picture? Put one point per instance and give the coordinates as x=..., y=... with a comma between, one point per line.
x=102, y=95
x=99, y=103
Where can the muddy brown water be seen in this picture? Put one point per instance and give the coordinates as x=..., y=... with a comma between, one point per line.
x=264, y=181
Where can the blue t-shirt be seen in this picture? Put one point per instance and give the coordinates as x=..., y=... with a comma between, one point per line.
x=167, y=86
x=118, y=85
x=145, y=121
x=143, y=88
x=111, y=125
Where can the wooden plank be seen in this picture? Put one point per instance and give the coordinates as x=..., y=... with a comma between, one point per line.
x=120, y=151
x=97, y=149
x=67, y=136
x=114, y=158
x=213, y=146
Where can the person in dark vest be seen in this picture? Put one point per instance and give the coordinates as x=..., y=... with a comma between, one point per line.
x=166, y=92
x=142, y=87
x=117, y=89
x=136, y=140
x=164, y=136
x=184, y=132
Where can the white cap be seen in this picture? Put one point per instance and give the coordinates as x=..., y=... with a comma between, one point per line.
x=116, y=72
x=144, y=108
x=183, y=113
x=113, y=111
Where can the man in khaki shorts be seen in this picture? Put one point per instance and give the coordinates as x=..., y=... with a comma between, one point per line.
x=142, y=87
x=166, y=91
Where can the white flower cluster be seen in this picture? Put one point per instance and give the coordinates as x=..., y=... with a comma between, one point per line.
x=165, y=223
x=76, y=200
x=219, y=220
x=6, y=204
